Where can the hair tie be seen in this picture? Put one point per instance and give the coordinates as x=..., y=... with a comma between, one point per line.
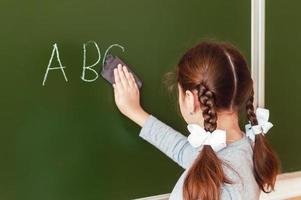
x=263, y=126
x=199, y=136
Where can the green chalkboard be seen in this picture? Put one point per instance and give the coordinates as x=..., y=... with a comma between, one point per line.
x=66, y=140
x=283, y=83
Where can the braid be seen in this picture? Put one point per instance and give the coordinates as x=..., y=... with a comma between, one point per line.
x=206, y=98
x=207, y=165
x=265, y=160
x=250, y=110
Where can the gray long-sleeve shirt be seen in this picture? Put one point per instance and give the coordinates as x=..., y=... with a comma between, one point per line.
x=237, y=154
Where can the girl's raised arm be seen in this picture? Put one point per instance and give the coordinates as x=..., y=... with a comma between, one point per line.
x=169, y=141
x=162, y=136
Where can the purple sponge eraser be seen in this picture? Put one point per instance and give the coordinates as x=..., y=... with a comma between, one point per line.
x=111, y=62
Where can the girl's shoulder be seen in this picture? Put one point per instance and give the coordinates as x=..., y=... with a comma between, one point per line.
x=238, y=156
x=238, y=160
x=237, y=149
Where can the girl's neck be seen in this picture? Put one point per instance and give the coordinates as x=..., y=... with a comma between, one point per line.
x=228, y=121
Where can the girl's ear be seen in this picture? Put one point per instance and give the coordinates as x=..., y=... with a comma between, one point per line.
x=191, y=100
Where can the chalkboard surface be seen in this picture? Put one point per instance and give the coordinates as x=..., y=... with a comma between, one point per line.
x=283, y=83
x=65, y=139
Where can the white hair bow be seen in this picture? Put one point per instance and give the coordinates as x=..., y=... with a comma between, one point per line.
x=263, y=126
x=199, y=136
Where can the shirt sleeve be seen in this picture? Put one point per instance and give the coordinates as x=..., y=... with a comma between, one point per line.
x=169, y=141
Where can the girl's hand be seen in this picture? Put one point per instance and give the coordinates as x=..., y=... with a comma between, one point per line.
x=127, y=96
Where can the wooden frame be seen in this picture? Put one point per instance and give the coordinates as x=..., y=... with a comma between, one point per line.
x=288, y=185
x=258, y=50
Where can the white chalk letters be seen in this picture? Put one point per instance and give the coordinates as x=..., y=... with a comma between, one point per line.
x=61, y=67
x=85, y=66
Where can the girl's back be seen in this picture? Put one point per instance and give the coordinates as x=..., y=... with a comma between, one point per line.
x=237, y=154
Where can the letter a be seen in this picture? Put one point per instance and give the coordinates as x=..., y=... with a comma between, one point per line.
x=55, y=50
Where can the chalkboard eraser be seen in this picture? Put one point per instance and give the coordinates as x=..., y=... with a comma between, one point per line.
x=111, y=62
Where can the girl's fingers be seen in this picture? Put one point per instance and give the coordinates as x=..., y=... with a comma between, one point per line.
x=133, y=80
x=117, y=79
x=127, y=75
x=115, y=90
x=123, y=79
x=132, y=83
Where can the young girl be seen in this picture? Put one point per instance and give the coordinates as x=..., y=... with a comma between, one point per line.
x=220, y=160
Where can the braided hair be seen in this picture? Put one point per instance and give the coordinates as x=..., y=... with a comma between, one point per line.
x=207, y=165
x=206, y=98
x=266, y=163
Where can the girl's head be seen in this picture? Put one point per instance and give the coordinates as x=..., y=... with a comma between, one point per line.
x=213, y=77
x=215, y=69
